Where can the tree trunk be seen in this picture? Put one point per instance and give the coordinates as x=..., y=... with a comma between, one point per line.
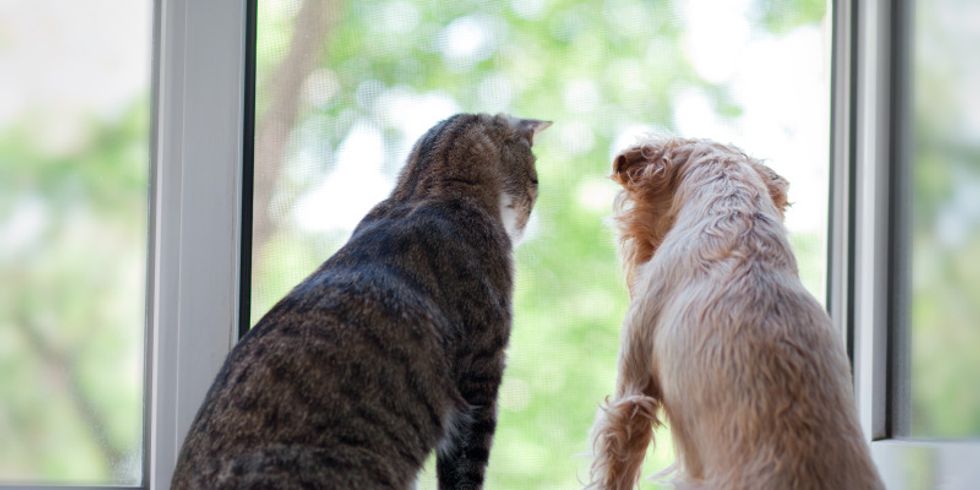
x=285, y=84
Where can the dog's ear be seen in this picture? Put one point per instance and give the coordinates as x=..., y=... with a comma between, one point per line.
x=646, y=166
x=776, y=184
x=628, y=165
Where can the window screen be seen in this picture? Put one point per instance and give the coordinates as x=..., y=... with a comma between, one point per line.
x=74, y=160
x=344, y=89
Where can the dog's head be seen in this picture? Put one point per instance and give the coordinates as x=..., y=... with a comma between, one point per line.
x=651, y=174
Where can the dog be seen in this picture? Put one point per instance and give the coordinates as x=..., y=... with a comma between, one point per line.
x=721, y=335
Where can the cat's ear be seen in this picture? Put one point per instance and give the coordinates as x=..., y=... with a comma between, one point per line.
x=529, y=128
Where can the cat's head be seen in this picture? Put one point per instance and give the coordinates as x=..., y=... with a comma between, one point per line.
x=518, y=174
x=487, y=157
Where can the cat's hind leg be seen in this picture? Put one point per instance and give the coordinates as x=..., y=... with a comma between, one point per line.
x=463, y=453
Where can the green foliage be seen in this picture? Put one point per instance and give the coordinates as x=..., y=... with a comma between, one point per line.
x=595, y=69
x=944, y=305
x=79, y=282
x=71, y=320
x=780, y=16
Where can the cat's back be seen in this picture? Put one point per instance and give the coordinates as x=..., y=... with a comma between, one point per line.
x=448, y=253
x=352, y=378
x=351, y=367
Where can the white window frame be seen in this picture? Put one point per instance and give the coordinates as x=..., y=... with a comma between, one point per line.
x=869, y=192
x=196, y=213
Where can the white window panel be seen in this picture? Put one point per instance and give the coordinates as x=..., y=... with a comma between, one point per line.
x=200, y=95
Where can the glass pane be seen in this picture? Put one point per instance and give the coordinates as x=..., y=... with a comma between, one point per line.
x=944, y=321
x=74, y=160
x=345, y=88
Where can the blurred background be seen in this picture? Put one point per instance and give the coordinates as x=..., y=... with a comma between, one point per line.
x=943, y=307
x=74, y=161
x=343, y=90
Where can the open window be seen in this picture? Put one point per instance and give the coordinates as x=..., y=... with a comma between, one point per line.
x=262, y=130
x=903, y=285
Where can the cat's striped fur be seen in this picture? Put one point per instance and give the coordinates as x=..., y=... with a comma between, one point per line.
x=394, y=346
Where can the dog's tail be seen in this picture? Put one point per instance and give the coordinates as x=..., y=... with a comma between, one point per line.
x=623, y=431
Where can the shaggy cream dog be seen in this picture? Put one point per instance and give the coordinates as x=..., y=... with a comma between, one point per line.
x=721, y=334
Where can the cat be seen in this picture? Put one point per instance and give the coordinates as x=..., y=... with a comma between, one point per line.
x=395, y=345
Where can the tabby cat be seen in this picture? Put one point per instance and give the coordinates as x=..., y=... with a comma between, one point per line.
x=395, y=345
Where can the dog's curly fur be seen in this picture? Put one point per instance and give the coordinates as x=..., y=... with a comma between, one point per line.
x=722, y=335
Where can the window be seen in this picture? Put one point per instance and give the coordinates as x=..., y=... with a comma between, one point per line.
x=105, y=285
x=905, y=169
x=74, y=170
x=120, y=197
x=343, y=89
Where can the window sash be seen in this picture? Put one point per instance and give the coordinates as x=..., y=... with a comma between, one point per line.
x=194, y=220
x=198, y=153
x=869, y=187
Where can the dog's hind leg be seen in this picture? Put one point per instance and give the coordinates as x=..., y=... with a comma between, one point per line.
x=624, y=425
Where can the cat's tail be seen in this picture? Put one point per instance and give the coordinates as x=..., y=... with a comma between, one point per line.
x=622, y=432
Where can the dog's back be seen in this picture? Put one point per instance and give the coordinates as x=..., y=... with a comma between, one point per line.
x=755, y=385
x=722, y=334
